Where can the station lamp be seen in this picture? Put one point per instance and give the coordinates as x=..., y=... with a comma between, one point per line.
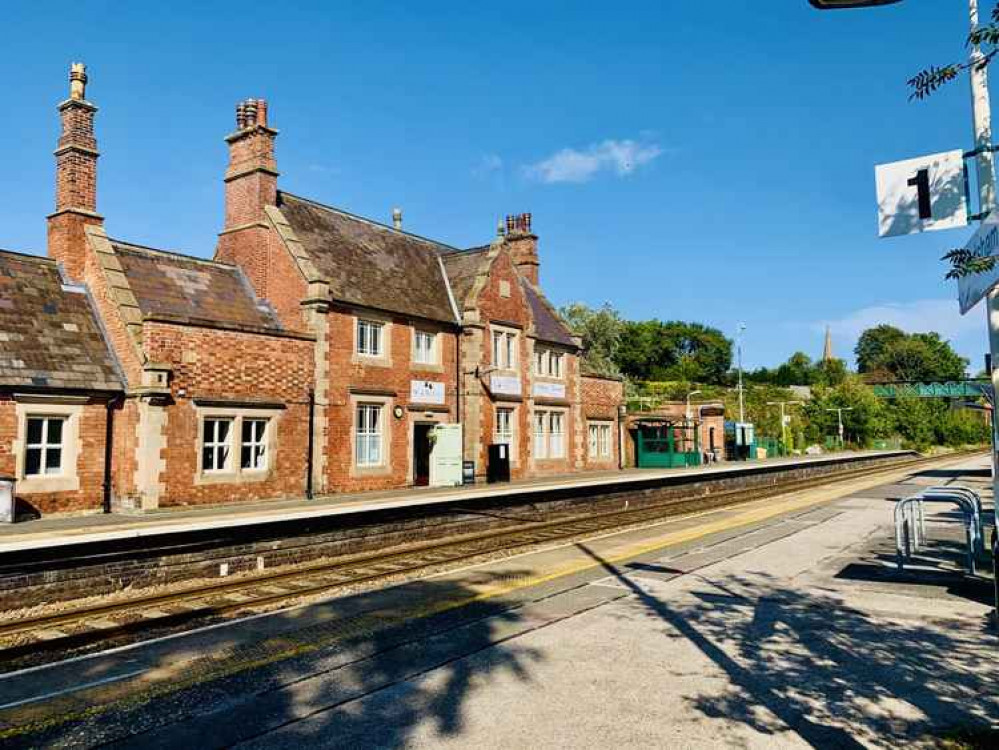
x=836, y=4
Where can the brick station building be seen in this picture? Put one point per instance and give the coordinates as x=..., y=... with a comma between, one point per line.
x=313, y=355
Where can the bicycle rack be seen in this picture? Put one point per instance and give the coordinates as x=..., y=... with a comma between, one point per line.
x=910, y=521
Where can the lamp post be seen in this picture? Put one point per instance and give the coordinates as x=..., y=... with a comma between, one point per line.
x=783, y=418
x=738, y=354
x=839, y=416
x=686, y=412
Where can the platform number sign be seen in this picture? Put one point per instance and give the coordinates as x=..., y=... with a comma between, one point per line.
x=922, y=194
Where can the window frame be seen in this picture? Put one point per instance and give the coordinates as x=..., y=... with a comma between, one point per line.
x=362, y=340
x=505, y=342
x=433, y=349
x=550, y=445
x=549, y=363
x=44, y=447
x=599, y=439
x=374, y=437
x=508, y=436
x=234, y=472
x=215, y=445
x=262, y=443
x=71, y=410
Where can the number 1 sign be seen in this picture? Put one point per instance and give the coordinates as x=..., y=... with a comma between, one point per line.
x=922, y=194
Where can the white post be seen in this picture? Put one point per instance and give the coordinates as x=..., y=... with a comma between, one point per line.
x=982, y=120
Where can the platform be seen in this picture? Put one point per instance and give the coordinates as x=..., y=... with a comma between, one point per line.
x=46, y=533
x=740, y=627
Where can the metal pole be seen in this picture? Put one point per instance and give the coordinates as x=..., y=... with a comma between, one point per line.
x=982, y=121
x=738, y=349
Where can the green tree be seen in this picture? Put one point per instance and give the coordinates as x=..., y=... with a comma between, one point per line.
x=674, y=350
x=600, y=330
x=888, y=353
x=873, y=344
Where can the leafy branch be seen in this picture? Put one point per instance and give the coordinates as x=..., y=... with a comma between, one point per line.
x=927, y=81
x=967, y=263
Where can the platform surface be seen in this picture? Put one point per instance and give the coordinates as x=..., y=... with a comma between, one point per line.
x=67, y=530
x=744, y=627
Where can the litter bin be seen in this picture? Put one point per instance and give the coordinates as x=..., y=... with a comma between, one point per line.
x=499, y=463
x=6, y=499
x=468, y=472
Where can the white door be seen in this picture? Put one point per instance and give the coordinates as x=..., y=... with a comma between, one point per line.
x=446, y=456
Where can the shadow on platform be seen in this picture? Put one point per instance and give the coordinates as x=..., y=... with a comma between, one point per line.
x=350, y=677
x=827, y=672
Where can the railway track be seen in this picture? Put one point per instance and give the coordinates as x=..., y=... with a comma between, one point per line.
x=127, y=618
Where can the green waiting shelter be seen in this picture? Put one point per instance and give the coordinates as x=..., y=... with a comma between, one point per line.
x=664, y=443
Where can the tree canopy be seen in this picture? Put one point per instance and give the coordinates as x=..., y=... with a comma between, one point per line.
x=674, y=350
x=888, y=353
x=600, y=330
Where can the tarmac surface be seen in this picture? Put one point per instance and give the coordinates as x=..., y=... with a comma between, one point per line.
x=778, y=623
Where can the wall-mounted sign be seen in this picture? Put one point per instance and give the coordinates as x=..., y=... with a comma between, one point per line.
x=505, y=385
x=921, y=194
x=426, y=392
x=549, y=390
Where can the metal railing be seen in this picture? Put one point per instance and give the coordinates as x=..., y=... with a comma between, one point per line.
x=910, y=522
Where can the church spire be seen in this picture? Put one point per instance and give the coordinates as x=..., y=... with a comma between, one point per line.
x=827, y=353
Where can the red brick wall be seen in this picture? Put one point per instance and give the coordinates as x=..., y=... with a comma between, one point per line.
x=513, y=309
x=349, y=373
x=601, y=399
x=89, y=469
x=8, y=433
x=229, y=365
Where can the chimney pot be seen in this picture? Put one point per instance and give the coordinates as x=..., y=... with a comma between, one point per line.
x=262, y=111
x=397, y=218
x=77, y=81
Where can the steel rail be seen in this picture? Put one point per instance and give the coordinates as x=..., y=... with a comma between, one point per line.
x=212, y=599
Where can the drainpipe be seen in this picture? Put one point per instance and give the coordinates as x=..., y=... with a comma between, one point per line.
x=457, y=379
x=108, y=451
x=312, y=439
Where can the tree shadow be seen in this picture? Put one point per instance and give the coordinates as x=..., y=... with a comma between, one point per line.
x=395, y=674
x=830, y=673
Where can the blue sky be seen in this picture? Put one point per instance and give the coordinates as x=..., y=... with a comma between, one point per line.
x=683, y=160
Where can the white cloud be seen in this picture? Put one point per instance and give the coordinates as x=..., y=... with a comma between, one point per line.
x=571, y=165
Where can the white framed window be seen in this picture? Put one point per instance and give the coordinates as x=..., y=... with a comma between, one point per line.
x=540, y=434
x=548, y=363
x=216, y=445
x=369, y=337
x=599, y=434
x=504, y=349
x=504, y=425
x=43, y=450
x=555, y=364
x=549, y=434
x=368, y=435
x=253, y=445
x=556, y=434
x=424, y=347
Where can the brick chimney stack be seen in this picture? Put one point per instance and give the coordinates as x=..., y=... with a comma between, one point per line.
x=76, y=178
x=523, y=244
x=250, y=186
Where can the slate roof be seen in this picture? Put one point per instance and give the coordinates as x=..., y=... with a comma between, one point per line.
x=49, y=334
x=462, y=267
x=191, y=290
x=548, y=326
x=370, y=264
